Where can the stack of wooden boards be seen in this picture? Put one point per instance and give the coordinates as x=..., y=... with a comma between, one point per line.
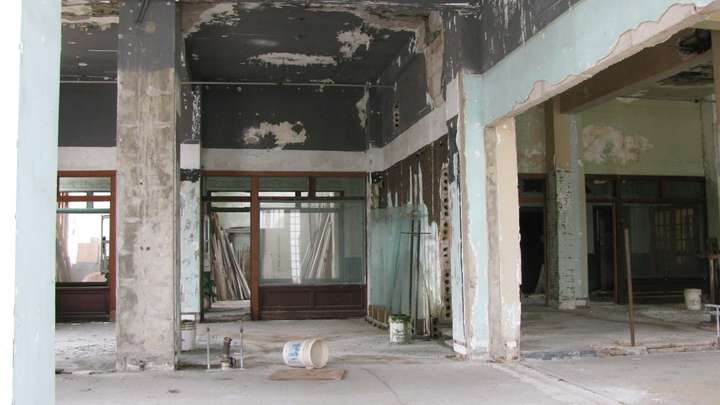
x=231, y=282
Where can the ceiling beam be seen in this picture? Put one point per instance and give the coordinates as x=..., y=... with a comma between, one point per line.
x=639, y=71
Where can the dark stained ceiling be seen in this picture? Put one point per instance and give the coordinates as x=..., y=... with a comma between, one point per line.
x=290, y=41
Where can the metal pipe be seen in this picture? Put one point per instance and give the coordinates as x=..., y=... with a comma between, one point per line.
x=289, y=84
x=142, y=11
x=628, y=270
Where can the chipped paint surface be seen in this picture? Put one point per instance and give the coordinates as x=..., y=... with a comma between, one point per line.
x=293, y=59
x=212, y=15
x=362, y=108
x=284, y=133
x=604, y=144
x=351, y=41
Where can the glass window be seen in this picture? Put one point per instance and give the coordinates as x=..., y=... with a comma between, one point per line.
x=215, y=183
x=679, y=189
x=100, y=204
x=84, y=184
x=82, y=244
x=284, y=185
x=532, y=188
x=312, y=243
x=598, y=188
x=340, y=186
x=638, y=189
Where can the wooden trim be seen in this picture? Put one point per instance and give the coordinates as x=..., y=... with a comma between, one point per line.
x=79, y=198
x=222, y=173
x=255, y=249
x=112, y=282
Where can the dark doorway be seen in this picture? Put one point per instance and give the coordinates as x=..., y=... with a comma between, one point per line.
x=532, y=247
x=601, y=254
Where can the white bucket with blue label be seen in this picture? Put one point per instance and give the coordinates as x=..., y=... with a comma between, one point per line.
x=312, y=353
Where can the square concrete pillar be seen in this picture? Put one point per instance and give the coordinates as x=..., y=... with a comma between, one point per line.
x=147, y=186
x=30, y=45
x=486, y=209
x=190, y=230
x=503, y=212
x=566, y=243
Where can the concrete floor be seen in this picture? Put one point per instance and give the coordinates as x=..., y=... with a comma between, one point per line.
x=604, y=326
x=673, y=378
x=379, y=373
x=546, y=333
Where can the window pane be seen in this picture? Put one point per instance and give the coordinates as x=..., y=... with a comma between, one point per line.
x=284, y=184
x=82, y=247
x=599, y=188
x=312, y=243
x=347, y=186
x=101, y=204
x=532, y=187
x=635, y=189
x=213, y=183
x=230, y=204
x=77, y=184
x=77, y=204
x=684, y=189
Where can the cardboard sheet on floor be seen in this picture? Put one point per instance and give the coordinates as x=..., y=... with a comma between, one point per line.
x=299, y=374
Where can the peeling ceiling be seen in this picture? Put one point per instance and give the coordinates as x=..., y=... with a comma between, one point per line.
x=694, y=84
x=270, y=41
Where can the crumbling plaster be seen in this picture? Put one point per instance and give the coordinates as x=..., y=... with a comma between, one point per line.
x=569, y=54
x=643, y=137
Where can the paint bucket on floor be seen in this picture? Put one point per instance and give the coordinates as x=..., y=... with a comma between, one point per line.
x=188, y=330
x=693, y=299
x=399, y=326
x=311, y=353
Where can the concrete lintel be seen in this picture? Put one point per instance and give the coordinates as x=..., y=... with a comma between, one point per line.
x=634, y=73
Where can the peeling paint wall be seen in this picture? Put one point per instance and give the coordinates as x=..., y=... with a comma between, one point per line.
x=640, y=137
x=569, y=53
x=413, y=190
x=283, y=117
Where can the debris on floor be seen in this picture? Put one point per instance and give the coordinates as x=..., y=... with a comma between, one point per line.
x=290, y=374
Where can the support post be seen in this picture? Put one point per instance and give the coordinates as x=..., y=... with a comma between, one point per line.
x=503, y=212
x=147, y=187
x=565, y=206
x=30, y=45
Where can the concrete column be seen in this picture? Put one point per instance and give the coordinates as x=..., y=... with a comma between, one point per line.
x=484, y=197
x=190, y=225
x=147, y=184
x=711, y=163
x=566, y=243
x=503, y=213
x=711, y=147
x=30, y=45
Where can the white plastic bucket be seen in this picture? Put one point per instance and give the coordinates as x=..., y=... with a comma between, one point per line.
x=693, y=299
x=188, y=332
x=312, y=353
x=399, y=326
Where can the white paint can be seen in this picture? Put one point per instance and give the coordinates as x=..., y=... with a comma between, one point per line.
x=399, y=326
x=693, y=299
x=188, y=332
x=310, y=354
